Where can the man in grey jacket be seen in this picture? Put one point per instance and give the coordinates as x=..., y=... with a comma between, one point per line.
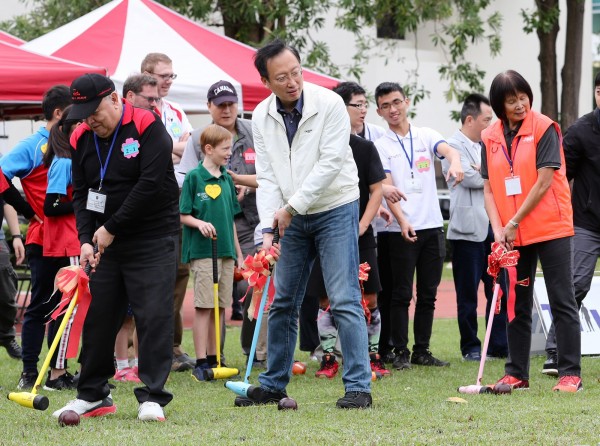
x=469, y=233
x=223, y=107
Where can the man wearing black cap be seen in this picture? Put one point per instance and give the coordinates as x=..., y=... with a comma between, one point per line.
x=223, y=107
x=125, y=200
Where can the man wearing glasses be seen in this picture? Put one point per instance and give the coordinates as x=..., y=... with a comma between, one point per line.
x=308, y=191
x=160, y=67
x=357, y=106
x=141, y=90
x=415, y=240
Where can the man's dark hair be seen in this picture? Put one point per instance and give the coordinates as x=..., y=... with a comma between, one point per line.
x=59, y=97
x=597, y=79
x=136, y=83
x=472, y=106
x=269, y=51
x=348, y=89
x=506, y=84
x=387, y=88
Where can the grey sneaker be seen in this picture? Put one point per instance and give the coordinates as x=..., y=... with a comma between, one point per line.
x=181, y=366
x=13, y=349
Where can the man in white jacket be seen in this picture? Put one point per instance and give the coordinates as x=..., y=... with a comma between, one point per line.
x=308, y=189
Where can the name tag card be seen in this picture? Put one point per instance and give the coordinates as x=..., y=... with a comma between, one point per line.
x=513, y=185
x=96, y=201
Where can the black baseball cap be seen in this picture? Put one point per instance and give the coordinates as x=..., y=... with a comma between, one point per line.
x=87, y=91
x=220, y=92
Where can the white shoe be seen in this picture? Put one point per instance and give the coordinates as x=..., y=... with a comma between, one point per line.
x=150, y=411
x=89, y=409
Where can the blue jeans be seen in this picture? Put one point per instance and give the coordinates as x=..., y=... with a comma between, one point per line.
x=333, y=236
x=469, y=267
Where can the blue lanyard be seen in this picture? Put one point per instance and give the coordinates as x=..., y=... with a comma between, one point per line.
x=514, y=154
x=412, y=153
x=112, y=144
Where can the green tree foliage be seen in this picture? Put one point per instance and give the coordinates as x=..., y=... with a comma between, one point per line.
x=458, y=24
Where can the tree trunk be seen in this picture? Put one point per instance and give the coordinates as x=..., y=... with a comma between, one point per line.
x=547, y=58
x=571, y=71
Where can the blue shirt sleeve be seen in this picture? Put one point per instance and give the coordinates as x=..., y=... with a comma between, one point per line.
x=59, y=176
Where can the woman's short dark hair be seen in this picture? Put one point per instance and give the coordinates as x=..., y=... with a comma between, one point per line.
x=269, y=51
x=505, y=84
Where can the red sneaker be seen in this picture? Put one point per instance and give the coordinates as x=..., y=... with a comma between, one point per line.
x=568, y=383
x=377, y=365
x=329, y=367
x=128, y=374
x=514, y=383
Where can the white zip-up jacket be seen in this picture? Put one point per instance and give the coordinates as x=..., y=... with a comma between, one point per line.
x=317, y=173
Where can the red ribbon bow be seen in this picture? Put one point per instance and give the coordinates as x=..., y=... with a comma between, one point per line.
x=68, y=280
x=256, y=269
x=501, y=258
x=363, y=276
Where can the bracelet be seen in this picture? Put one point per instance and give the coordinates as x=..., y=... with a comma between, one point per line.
x=514, y=223
x=17, y=236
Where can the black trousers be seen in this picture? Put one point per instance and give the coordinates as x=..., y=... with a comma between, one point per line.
x=426, y=258
x=556, y=260
x=41, y=303
x=140, y=273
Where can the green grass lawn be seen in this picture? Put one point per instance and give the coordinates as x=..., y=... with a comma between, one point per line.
x=410, y=407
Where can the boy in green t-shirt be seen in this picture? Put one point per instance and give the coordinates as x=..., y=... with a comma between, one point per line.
x=208, y=206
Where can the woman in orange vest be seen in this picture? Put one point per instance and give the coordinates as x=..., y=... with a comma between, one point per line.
x=528, y=202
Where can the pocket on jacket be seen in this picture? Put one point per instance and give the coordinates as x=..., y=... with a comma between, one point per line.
x=463, y=220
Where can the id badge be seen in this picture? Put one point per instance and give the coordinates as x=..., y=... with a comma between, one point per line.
x=512, y=185
x=413, y=186
x=96, y=201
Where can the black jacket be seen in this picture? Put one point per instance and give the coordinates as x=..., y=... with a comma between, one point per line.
x=582, y=156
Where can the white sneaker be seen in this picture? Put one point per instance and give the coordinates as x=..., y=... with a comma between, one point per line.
x=150, y=411
x=89, y=409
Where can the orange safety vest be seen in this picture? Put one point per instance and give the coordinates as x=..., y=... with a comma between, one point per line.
x=553, y=216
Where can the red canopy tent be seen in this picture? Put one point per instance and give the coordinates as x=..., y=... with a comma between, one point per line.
x=25, y=76
x=119, y=34
x=8, y=38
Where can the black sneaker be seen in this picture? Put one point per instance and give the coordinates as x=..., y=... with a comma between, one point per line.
x=550, y=366
x=426, y=358
x=27, y=380
x=63, y=382
x=258, y=396
x=402, y=360
x=237, y=316
x=13, y=349
x=388, y=357
x=355, y=400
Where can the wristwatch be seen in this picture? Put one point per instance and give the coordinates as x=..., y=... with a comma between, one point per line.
x=514, y=223
x=288, y=207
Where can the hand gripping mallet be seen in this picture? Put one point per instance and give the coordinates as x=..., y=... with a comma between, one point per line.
x=241, y=388
x=218, y=372
x=478, y=388
x=31, y=399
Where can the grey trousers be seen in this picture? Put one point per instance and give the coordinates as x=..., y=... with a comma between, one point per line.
x=8, y=292
x=586, y=250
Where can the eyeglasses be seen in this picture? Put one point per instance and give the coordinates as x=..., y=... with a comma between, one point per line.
x=167, y=76
x=285, y=78
x=360, y=105
x=388, y=105
x=150, y=99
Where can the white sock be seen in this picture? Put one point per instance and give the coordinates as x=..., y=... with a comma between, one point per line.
x=135, y=362
x=122, y=364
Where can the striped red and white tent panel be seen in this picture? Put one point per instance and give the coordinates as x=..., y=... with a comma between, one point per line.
x=25, y=76
x=9, y=38
x=119, y=34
